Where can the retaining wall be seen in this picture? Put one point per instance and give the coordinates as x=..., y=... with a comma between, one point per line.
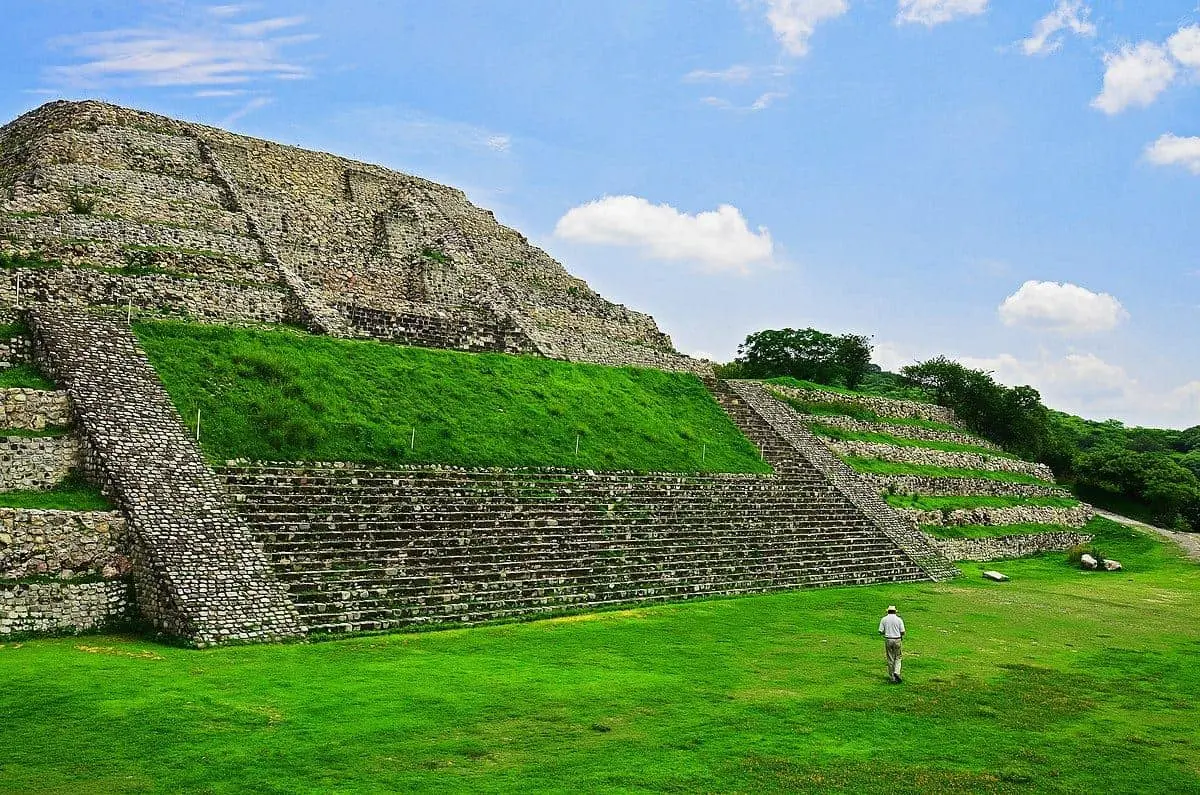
x=1004, y=547
x=63, y=607
x=62, y=544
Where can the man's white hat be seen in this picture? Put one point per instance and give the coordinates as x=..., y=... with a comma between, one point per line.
x=891, y=608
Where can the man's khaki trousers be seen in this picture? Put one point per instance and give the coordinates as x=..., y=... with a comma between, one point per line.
x=895, y=651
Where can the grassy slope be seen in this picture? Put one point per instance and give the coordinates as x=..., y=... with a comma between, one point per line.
x=285, y=396
x=72, y=494
x=24, y=375
x=877, y=467
x=1059, y=680
x=927, y=503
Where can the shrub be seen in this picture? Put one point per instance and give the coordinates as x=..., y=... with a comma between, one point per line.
x=81, y=203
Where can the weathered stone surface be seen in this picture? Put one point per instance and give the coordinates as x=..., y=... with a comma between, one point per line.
x=884, y=407
x=33, y=409
x=57, y=607
x=63, y=544
x=1077, y=516
x=1112, y=565
x=959, y=487
x=1088, y=562
x=995, y=576
x=36, y=463
x=356, y=248
x=199, y=575
x=1005, y=547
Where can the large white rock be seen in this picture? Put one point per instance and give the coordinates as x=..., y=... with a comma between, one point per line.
x=1112, y=565
x=1088, y=562
x=995, y=576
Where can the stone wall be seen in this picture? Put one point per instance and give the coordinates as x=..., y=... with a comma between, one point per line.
x=33, y=409
x=884, y=407
x=36, y=463
x=62, y=544
x=157, y=293
x=1005, y=547
x=113, y=183
x=198, y=573
x=959, y=487
x=941, y=458
x=1077, y=516
x=63, y=607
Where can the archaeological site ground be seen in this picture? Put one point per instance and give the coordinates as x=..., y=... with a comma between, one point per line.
x=271, y=416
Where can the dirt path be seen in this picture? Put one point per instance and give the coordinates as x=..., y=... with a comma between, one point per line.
x=1188, y=542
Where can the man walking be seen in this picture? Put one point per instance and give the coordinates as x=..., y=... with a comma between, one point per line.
x=891, y=627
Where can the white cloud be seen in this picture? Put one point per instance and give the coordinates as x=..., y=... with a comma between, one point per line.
x=1068, y=15
x=794, y=21
x=1061, y=307
x=935, y=12
x=1135, y=75
x=1172, y=150
x=718, y=240
x=1184, y=46
x=498, y=143
x=738, y=73
x=261, y=27
x=245, y=110
x=762, y=102
x=204, y=50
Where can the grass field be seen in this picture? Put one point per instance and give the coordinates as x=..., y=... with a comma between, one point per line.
x=833, y=432
x=279, y=395
x=875, y=466
x=927, y=503
x=72, y=494
x=26, y=376
x=1060, y=680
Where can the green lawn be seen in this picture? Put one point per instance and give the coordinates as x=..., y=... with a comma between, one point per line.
x=280, y=395
x=1060, y=680
x=833, y=432
x=26, y=376
x=874, y=466
x=892, y=393
x=72, y=494
x=992, y=531
x=927, y=503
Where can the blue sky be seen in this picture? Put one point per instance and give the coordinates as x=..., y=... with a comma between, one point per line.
x=1014, y=184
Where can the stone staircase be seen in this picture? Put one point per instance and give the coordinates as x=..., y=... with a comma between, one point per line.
x=371, y=549
x=788, y=445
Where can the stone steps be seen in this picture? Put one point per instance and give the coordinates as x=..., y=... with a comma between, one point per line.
x=361, y=548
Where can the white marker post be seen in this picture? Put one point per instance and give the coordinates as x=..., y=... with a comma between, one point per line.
x=197, y=425
x=18, y=289
x=129, y=310
x=412, y=442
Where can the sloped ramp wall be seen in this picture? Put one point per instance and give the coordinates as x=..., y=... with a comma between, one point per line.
x=792, y=429
x=198, y=572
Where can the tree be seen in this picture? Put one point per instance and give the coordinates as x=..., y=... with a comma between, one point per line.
x=807, y=354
